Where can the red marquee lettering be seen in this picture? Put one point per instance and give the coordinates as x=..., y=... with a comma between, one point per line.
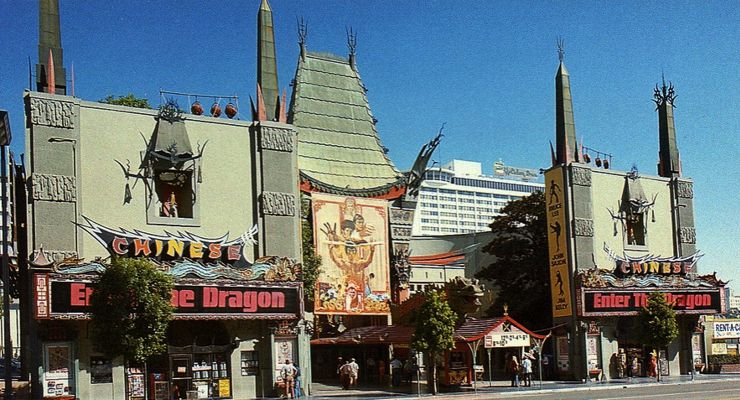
x=120, y=246
x=250, y=301
x=141, y=247
x=210, y=297
x=79, y=294
x=278, y=300
x=234, y=252
x=214, y=251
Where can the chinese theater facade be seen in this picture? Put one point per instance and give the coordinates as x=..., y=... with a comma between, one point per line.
x=210, y=201
x=614, y=237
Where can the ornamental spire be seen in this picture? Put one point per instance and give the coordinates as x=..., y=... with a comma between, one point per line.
x=669, y=165
x=50, y=42
x=565, y=128
x=267, y=78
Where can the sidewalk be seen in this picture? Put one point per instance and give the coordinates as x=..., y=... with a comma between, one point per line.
x=503, y=388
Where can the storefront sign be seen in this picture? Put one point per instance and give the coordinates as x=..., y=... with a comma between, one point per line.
x=631, y=302
x=557, y=238
x=652, y=265
x=190, y=301
x=719, y=348
x=506, y=339
x=726, y=329
x=168, y=247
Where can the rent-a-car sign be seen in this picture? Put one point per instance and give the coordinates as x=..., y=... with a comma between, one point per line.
x=727, y=329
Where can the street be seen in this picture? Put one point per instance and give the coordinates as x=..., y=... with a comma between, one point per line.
x=704, y=390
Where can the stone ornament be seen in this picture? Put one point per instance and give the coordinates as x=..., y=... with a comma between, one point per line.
x=54, y=187
x=401, y=217
x=685, y=189
x=583, y=227
x=52, y=113
x=275, y=203
x=687, y=235
x=401, y=233
x=581, y=176
x=276, y=139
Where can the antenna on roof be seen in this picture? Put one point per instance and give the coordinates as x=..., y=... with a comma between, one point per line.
x=302, y=34
x=561, y=48
x=351, y=45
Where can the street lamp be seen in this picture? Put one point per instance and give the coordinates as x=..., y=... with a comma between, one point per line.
x=5, y=138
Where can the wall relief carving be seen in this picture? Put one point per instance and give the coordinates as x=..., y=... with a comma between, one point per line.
x=54, y=113
x=685, y=189
x=274, y=203
x=687, y=235
x=276, y=139
x=581, y=176
x=54, y=187
x=584, y=227
x=400, y=233
x=402, y=217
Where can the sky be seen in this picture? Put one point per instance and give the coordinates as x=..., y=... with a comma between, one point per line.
x=485, y=69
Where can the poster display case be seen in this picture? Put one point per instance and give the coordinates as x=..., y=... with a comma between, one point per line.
x=204, y=370
x=135, y=383
x=58, y=376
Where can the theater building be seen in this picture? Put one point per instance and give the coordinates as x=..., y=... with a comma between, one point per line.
x=212, y=201
x=615, y=237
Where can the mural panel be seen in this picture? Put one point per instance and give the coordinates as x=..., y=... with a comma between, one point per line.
x=351, y=236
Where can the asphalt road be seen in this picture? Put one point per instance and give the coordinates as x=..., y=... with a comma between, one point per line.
x=706, y=390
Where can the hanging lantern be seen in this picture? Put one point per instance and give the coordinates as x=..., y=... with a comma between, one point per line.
x=586, y=158
x=606, y=164
x=215, y=110
x=230, y=110
x=196, y=108
x=598, y=161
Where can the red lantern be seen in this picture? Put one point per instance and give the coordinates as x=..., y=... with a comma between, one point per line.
x=230, y=110
x=598, y=161
x=196, y=108
x=606, y=164
x=586, y=158
x=215, y=110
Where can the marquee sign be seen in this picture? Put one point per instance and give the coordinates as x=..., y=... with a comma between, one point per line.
x=71, y=298
x=167, y=247
x=630, y=302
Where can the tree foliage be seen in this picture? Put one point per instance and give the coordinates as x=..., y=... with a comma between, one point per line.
x=657, y=322
x=521, y=270
x=311, y=261
x=131, y=309
x=435, y=329
x=128, y=100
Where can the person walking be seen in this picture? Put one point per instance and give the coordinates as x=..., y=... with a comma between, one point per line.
x=354, y=372
x=344, y=375
x=653, y=363
x=527, y=371
x=396, y=370
x=288, y=372
x=513, y=369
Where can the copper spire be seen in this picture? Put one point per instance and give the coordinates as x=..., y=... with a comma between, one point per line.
x=267, y=78
x=565, y=128
x=50, y=41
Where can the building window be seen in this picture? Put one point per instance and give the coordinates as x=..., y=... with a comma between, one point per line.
x=635, y=226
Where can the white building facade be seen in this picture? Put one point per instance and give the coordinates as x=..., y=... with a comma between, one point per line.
x=459, y=198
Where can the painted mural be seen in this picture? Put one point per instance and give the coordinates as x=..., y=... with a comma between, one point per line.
x=351, y=236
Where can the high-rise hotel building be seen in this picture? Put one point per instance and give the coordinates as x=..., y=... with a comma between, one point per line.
x=459, y=198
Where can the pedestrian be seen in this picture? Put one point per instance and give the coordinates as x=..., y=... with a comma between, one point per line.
x=527, y=370
x=621, y=363
x=396, y=368
x=288, y=373
x=344, y=375
x=653, y=365
x=513, y=369
x=634, y=367
x=297, y=385
x=340, y=362
x=354, y=372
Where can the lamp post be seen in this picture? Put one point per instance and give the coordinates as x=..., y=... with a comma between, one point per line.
x=5, y=137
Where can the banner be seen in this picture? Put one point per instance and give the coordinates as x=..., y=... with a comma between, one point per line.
x=351, y=236
x=506, y=339
x=557, y=243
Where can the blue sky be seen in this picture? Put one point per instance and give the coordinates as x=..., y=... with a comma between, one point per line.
x=484, y=68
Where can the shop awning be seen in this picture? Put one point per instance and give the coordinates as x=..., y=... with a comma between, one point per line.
x=475, y=329
x=370, y=335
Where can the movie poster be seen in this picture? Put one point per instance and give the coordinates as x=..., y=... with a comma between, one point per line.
x=557, y=244
x=351, y=236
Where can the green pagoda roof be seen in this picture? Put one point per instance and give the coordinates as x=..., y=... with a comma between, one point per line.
x=338, y=147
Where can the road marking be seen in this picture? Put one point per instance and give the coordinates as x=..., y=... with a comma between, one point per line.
x=674, y=394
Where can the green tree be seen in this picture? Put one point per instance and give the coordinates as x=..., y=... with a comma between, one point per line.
x=131, y=309
x=520, y=272
x=128, y=100
x=310, y=267
x=657, y=324
x=435, y=329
